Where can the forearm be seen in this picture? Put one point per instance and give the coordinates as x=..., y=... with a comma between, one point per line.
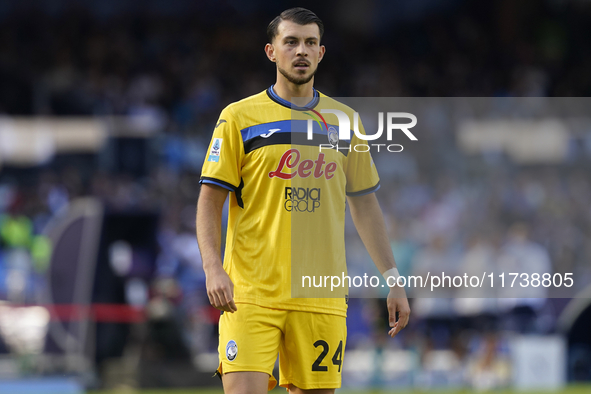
x=369, y=222
x=371, y=227
x=209, y=226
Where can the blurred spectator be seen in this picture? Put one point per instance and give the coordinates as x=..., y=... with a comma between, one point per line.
x=435, y=308
x=477, y=305
x=527, y=259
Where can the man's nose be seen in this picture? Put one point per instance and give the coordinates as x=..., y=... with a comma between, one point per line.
x=302, y=50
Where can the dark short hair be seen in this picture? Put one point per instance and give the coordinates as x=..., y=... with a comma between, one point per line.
x=298, y=15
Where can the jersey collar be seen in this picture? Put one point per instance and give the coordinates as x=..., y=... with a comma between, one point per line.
x=273, y=96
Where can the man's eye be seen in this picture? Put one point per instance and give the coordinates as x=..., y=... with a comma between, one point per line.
x=290, y=42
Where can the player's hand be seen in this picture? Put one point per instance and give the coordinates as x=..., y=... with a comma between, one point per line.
x=397, y=302
x=220, y=290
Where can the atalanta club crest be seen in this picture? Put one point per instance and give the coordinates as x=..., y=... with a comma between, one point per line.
x=333, y=136
x=231, y=350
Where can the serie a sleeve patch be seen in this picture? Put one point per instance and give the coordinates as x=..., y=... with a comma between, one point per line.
x=216, y=148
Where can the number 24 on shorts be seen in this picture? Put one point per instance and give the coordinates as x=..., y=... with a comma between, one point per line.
x=337, y=358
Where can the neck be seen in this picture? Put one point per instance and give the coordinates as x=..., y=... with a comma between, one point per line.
x=288, y=90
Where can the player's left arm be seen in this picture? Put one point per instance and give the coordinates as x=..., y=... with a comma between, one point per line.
x=368, y=219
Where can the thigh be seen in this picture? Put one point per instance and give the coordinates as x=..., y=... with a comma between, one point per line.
x=250, y=340
x=312, y=353
x=245, y=383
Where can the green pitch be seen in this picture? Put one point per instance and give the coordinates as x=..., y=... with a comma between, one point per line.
x=576, y=389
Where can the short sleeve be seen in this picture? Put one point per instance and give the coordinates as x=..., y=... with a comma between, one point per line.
x=362, y=175
x=223, y=159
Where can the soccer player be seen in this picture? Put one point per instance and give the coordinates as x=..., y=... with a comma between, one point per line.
x=287, y=207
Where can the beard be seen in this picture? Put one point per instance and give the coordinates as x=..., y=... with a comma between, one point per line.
x=296, y=79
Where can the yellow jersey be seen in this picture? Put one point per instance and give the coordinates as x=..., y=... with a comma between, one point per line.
x=288, y=198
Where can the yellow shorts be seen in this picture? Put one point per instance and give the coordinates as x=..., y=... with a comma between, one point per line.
x=310, y=345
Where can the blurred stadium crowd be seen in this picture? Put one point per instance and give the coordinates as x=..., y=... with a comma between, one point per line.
x=183, y=65
x=179, y=64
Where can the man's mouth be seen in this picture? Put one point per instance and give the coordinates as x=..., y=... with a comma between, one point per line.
x=301, y=65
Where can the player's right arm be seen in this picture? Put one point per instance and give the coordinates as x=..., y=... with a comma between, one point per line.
x=220, y=174
x=220, y=288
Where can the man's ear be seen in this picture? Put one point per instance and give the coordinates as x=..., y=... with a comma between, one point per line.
x=270, y=51
x=322, y=51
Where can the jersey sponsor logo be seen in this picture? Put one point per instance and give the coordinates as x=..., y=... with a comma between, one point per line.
x=270, y=133
x=231, y=350
x=291, y=166
x=216, y=148
x=302, y=199
x=220, y=122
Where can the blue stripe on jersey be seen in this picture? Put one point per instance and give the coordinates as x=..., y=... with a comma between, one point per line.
x=265, y=130
x=288, y=104
x=219, y=183
x=366, y=191
x=284, y=126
